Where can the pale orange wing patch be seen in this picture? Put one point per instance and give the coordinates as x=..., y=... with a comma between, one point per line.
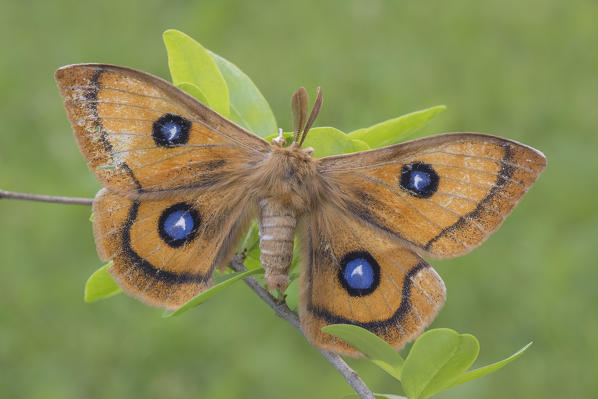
x=442, y=194
x=164, y=251
x=141, y=135
x=353, y=274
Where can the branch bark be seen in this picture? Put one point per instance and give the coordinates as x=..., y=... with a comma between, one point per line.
x=280, y=308
x=283, y=311
x=45, y=198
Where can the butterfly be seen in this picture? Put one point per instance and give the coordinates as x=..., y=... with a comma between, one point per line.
x=182, y=185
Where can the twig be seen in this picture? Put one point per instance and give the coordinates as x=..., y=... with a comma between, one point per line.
x=45, y=198
x=280, y=308
x=282, y=311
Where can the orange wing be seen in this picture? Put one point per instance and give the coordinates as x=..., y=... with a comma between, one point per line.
x=164, y=251
x=142, y=136
x=352, y=274
x=175, y=173
x=441, y=195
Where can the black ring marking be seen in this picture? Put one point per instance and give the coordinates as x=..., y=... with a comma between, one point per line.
x=375, y=273
x=189, y=215
x=506, y=172
x=379, y=326
x=419, y=179
x=171, y=130
x=146, y=267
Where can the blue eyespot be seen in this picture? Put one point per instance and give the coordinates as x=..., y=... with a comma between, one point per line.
x=419, y=179
x=359, y=273
x=178, y=224
x=170, y=130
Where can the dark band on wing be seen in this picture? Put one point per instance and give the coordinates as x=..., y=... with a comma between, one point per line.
x=506, y=172
x=91, y=95
x=129, y=171
x=378, y=326
x=146, y=267
x=207, y=168
x=209, y=177
x=362, y=209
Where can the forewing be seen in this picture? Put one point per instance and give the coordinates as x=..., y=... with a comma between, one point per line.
x=353, y=274
x=441, y=195
x=141, y=135
x=164, y=251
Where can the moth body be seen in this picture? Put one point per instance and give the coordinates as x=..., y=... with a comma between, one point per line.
x=277, y=232
x=285, y=183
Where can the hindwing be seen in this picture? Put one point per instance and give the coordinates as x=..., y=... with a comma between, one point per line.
x=353, y=274
x=164, y=251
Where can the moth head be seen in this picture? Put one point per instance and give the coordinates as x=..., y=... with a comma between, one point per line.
x=294, y=148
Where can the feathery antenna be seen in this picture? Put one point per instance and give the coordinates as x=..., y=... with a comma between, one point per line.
x=299, y=104
x=312, y=116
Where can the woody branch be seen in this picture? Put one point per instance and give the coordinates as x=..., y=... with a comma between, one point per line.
x=280, y=308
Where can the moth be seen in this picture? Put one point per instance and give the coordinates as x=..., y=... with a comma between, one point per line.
x=182, y=184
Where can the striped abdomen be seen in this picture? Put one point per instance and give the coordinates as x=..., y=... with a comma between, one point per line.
x=277, y=232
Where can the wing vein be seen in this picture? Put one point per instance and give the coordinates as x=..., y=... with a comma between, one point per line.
x=411, y=206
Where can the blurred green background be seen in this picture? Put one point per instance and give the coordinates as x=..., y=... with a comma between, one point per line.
x=527, y=70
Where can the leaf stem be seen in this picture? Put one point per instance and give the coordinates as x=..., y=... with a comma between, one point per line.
x=45, y=198
x=282, y=311
x=280, y=308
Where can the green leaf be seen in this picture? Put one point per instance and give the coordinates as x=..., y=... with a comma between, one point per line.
x=395, y=130
x=248, y=107
x=100, y=285
x=375, y=348
x=360, y=145
x=330, y=141
x=376, y=395
x=190, y=63
x=296, y=254
x=482, y=371
x=251, y=239
x=195, y=91
x=292, y=294
x=437, y=358
x=204, y=296
x=251, y=244
x=252, y=258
